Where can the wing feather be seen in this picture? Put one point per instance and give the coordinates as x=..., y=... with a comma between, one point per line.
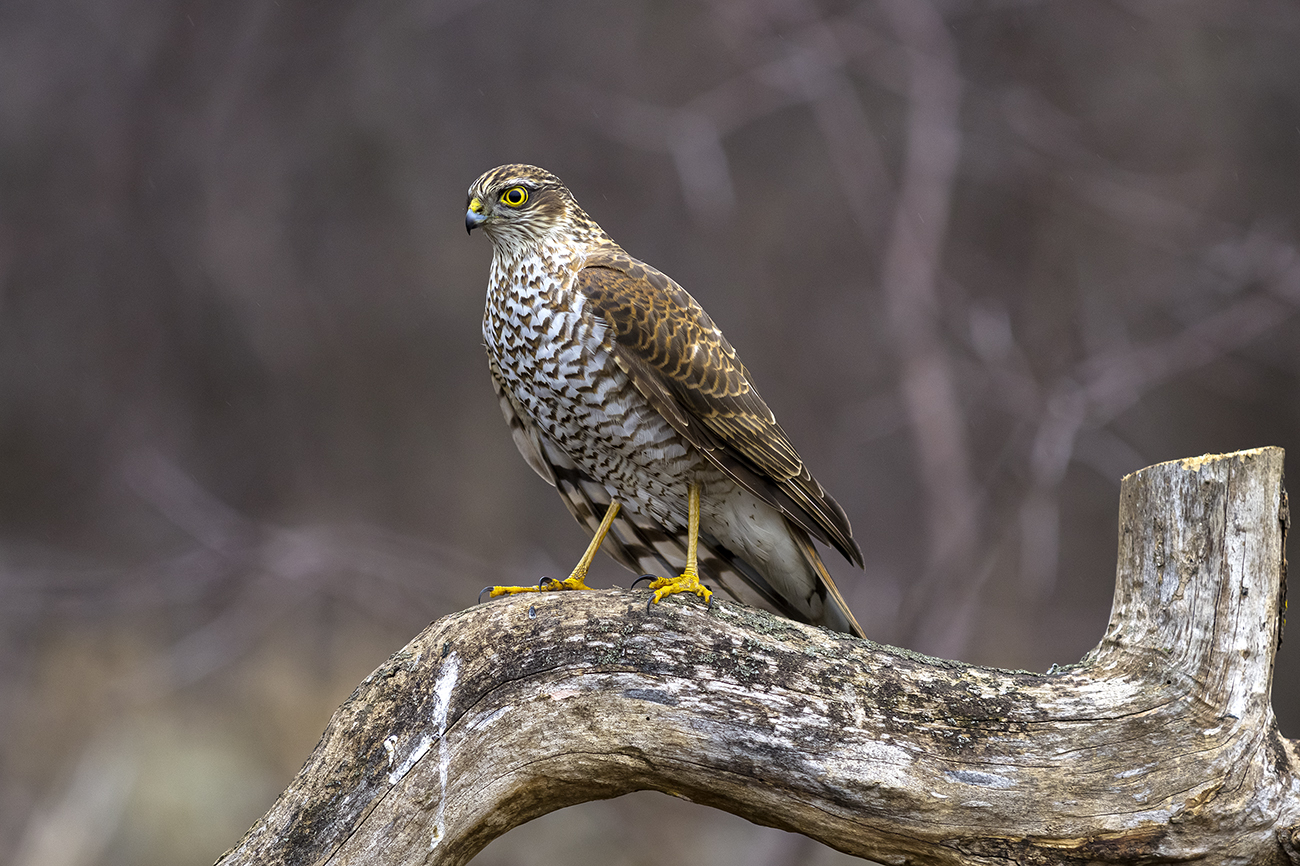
x=682, y=364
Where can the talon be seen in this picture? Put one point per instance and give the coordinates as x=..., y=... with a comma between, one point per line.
x=688, y=581
x=541, y=584
x=649, y=577
x=483, y=590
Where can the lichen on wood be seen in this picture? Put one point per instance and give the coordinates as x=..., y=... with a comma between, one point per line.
x=1160, y=746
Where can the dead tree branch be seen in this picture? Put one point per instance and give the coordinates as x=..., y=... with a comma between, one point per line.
x=1159, y=747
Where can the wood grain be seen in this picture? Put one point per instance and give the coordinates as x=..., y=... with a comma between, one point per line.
x=1160, y=746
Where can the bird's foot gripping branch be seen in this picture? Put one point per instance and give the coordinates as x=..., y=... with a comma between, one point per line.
x=1159, y=747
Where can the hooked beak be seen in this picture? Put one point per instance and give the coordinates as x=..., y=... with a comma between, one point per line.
x=474, y=215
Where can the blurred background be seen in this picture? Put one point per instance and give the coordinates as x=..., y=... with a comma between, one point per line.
x=983, y=258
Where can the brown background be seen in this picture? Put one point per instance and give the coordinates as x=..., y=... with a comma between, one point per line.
x=982, y=258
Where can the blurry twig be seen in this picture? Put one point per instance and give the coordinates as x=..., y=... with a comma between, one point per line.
x=809, y=71
x=1114, y=378
x=909, y=281
x=1106, y=384
x=75, y=830
x=274, y=570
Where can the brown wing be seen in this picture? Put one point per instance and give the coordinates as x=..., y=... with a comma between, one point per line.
x=686, y=368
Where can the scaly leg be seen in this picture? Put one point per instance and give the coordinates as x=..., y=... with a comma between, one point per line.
x=688, y=580
x=576, y=580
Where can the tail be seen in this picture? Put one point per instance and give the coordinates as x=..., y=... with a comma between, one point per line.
x=835, y=611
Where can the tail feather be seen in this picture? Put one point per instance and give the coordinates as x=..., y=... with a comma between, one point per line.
x=836, y=614
x=643, y=546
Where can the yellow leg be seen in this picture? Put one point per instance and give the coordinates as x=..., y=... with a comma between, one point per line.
x=576, y=580
x=688, y=580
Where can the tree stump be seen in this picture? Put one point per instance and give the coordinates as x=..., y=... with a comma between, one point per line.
x=1160, y=746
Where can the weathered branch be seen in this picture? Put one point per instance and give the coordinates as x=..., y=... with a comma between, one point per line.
x=1160, y=746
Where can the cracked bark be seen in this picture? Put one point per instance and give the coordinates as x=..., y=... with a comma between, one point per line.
x=1159, y=746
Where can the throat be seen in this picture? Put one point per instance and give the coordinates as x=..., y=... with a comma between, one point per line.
x=519, y=264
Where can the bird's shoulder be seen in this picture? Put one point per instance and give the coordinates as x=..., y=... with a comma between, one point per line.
x=659, y=324
x=675, y=352
x=653, y=315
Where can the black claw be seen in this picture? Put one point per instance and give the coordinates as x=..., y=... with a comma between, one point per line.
x=483, y=590
x=541, y=583
x=649, y=577
x=649, y=604
x=709, y=606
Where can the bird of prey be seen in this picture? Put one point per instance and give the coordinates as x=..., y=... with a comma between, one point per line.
x=622, y=393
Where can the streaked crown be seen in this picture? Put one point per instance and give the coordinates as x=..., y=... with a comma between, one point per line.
x=521, y=205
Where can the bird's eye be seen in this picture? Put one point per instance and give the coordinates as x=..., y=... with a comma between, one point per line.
x=515, y=196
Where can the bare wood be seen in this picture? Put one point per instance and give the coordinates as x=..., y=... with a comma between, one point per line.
x=1159, y=747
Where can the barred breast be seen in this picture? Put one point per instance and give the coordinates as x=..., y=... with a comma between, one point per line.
x=554, y=358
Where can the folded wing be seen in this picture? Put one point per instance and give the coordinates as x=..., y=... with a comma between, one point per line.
x=682, y=364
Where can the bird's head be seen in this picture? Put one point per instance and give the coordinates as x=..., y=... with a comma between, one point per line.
x=520, y=205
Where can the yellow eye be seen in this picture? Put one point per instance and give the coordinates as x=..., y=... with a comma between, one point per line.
x=515, y=196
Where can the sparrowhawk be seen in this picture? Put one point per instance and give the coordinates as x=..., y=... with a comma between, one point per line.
x=622, y=393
